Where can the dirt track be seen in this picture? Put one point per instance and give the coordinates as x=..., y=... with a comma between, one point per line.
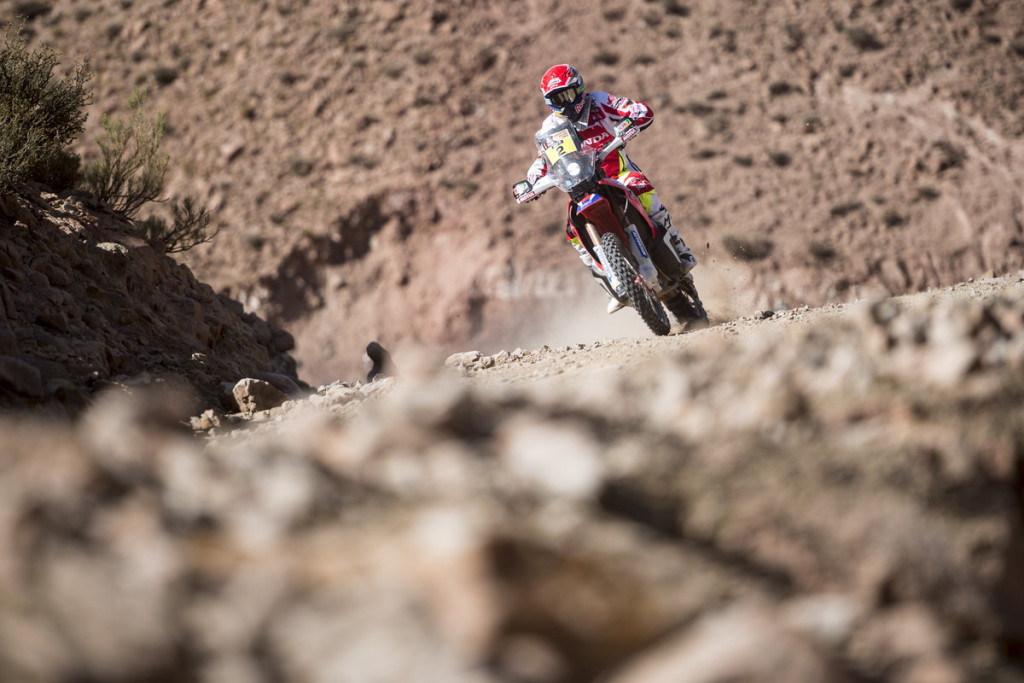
x=563, y=363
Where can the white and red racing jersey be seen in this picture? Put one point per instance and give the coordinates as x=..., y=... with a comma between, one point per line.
x=601, y=113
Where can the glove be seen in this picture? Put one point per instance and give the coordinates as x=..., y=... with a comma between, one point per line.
x=626, y=130
x=523, y=192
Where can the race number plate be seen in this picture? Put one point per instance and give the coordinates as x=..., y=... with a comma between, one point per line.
x=562, y=144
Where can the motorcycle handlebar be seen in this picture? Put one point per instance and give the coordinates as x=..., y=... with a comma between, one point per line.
x=611, y=147
x=547, y=182
x=544, y=184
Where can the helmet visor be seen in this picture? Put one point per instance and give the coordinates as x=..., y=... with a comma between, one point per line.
x=560, y=100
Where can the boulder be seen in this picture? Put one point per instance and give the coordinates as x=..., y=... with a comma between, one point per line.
x=254, y=395
x=282, y=383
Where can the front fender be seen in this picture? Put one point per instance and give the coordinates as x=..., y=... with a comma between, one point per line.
x=597, y=210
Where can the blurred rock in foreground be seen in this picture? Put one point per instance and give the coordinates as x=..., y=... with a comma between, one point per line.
x=836, y=501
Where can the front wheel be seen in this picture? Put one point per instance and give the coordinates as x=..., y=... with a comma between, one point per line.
x=642, y=298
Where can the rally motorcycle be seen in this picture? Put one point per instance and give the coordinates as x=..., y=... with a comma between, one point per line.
x=611, y=223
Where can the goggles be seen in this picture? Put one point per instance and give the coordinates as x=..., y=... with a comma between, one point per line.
x=560, y=100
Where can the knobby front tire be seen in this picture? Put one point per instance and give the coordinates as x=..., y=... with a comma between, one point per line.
x=643, y=299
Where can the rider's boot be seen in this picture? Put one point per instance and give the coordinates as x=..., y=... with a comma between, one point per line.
x=616, y=301
x=585, y=256
x=663, y=222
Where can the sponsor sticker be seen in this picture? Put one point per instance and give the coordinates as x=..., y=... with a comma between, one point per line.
x=637, y=241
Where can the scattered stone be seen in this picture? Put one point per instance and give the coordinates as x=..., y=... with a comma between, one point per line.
x=464, y=362
x=286, y=385
x=736, y=644
x=381, y=363
x=254, y=395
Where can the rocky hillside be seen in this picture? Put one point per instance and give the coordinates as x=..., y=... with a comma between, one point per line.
x=816, y=496
x=86, y=304
x=359, y=153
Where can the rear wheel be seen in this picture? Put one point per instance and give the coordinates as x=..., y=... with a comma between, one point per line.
x=642, y=298
x=687, y=307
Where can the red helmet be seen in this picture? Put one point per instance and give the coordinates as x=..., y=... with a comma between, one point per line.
x=563, y=90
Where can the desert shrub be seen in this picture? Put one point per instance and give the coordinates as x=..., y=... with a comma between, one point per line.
x=794, y=39
x=892, y=218
x=165, y=75
x=747, y=248
x=485, y=59
x=131, y=174
x=780, y=158
x=863, y=39
x=845, y=208
x=823, y=252
x=676, y=8
x=362, y=160
x=131, y=171
x=59, y=171
x=697, y=108
x=717, y=123
x=32, y=9
x=300, y=166
x=189, y=226
x=39, y=114
x=780, y=88
x=729, y=40
x=947, y=155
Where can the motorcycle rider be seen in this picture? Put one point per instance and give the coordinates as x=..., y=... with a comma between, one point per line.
x=595, y=115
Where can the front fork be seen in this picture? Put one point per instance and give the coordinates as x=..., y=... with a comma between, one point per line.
x=646, y=267
x=648, y=273
x=595, y=239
